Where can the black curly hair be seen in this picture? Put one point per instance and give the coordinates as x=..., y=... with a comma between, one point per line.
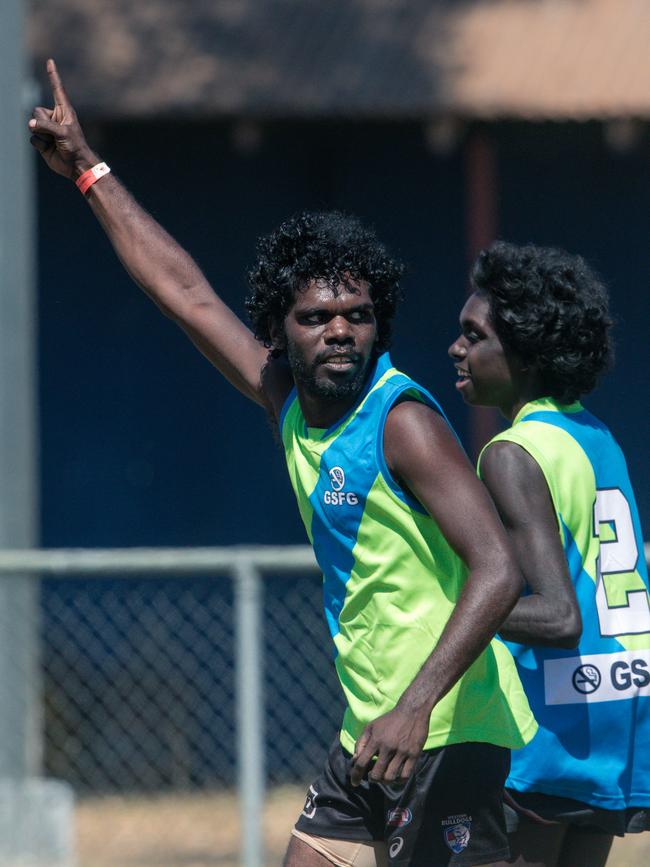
x=551, y=308
x=327, y=245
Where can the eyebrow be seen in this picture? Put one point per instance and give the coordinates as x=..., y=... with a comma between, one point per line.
x=360, y=308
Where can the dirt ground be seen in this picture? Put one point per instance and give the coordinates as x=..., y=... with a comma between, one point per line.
x=190, y=831
x=203, y=831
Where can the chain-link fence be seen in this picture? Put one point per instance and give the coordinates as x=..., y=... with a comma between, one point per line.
x=166, y=703
x=140, y=689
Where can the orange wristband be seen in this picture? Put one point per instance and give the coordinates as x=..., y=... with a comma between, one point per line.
x=85, y=181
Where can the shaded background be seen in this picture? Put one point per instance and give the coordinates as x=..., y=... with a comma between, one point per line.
x=443, y=124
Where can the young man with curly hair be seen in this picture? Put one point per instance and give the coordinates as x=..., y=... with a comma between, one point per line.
x=418, y=574
x=535, y=338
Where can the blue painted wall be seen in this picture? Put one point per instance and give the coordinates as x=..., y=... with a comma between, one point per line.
x=142, y=442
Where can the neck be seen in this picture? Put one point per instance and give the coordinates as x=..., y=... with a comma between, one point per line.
x=320, y=412
x=512, y=411
x=530, y=390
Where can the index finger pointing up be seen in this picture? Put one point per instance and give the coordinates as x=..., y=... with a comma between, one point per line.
x=60, y=97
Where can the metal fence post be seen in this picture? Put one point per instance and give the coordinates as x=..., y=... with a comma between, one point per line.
x=250, y=710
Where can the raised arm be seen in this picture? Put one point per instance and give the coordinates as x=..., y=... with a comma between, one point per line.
x=157, y=263
x=423, y=454
x=549, y=613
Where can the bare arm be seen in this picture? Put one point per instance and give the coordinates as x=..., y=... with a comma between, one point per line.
x=549, y=615
x=156, y=262
x=423, y=454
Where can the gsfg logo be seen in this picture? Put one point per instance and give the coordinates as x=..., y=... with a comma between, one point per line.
x=337, y=496
x=586, y=679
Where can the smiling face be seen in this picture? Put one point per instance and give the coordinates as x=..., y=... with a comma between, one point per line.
x=330, y=336
x=489, y=374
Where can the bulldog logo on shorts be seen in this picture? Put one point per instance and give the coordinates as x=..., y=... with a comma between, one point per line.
x=456, y=832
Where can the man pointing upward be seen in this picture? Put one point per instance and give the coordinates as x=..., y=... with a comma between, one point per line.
x=417, y=570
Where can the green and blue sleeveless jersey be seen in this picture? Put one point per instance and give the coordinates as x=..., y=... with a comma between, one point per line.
x=593, y=703
x=391, y=580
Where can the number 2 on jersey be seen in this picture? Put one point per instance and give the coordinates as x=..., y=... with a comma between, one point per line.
x=618, y=557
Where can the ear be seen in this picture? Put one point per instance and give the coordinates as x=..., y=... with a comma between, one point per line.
x=528, y=367
x=276, y=331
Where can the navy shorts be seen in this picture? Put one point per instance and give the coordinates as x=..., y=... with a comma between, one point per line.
x=449, y=812
x=522, y=807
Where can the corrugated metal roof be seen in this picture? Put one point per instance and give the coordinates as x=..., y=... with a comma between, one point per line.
x=364, y=58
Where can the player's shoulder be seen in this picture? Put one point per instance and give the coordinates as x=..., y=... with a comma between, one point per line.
x=514, y=479
x=410, y=415
x=507, y=460
x=416, y=436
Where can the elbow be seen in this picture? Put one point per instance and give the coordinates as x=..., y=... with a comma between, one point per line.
x=506, y=584
x=570, y=637
x=566, y=631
